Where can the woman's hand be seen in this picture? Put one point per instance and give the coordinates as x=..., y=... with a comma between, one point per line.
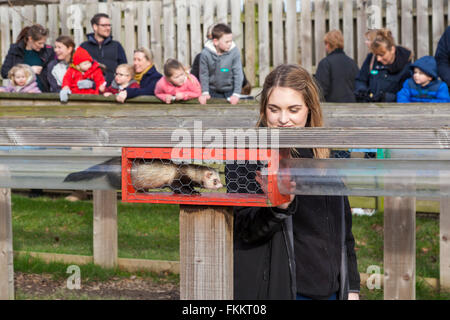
x=121, y=96
x=353, y=296
x=263, y=183
x=36, y=69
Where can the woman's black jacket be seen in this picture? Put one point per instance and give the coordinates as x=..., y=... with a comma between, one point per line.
x=278, y=253
x=16, y=55
x=377, y=82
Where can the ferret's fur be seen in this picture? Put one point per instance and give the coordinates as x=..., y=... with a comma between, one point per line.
x=152, y=174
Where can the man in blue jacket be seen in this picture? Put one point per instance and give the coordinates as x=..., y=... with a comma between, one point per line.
x=442, y=57
x=102, y=47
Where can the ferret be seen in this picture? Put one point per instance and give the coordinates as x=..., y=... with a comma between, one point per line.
x=152, y=174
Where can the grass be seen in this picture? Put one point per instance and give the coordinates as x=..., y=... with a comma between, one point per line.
x=149, y=231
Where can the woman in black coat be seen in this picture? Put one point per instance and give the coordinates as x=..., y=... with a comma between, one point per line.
x=294, y=250
x=384, y=71
x=337, y=72
x=30, y=48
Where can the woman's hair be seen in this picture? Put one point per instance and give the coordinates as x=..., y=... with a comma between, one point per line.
x=129, y=68
x=36, y=32
x=296, y=78
x=334, y=39
x=371, y=34
x=171, y=65
x=147, y=53
x=24, y=67
x=68, y=42
x=383, y=41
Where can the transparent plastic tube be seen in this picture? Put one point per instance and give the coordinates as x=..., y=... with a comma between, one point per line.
x=362, y=177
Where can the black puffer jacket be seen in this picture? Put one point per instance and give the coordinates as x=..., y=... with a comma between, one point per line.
x=442, y=57
x=278, y=253
x=336, y=77
x=377, y=82
x=16, y=55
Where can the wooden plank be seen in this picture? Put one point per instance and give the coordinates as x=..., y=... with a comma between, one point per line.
x=208, y=16
x=374, y=13
x=437, y=22
x=277, y=33
x=182, y=35
x=206, y=253
x=306, y=35
x=196, y=33
x=53, y=26
x=361, y=28
x=236, y=24
x=334, y=15
x=28, y=15
x=63, y=4
x=6, y=246
x=142, y=27
x=105, y=228
x=348, y=28
x=4, y=32
x=155, y=33
x=399, y=246
x=91, y=9
x=130, y=42
x=291, y=32
x=16, y=20
x=74, y=22
x=222, y=11
x=264, y=40
x=116, y=21
x=407, y=38
x=250, y=41
x=392, y=18
x=444, y=237
x=319, y=31
x=41, y=15
x=423, y=48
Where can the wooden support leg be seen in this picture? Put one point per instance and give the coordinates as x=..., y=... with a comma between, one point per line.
x=105, y=228
x=206, y=253
x=399, y=248
x=444, y=239
x=6, y=247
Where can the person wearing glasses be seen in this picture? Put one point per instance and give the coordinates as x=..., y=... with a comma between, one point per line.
x=103, y=48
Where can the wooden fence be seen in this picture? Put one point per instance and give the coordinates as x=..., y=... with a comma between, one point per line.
x=268, y=32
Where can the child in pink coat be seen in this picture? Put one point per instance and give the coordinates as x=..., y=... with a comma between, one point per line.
x=22, y=79
x=177, y=84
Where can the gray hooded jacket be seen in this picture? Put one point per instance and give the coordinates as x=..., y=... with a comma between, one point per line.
x=221, y=73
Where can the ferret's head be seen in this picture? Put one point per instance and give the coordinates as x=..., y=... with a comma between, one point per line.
x=211, y=180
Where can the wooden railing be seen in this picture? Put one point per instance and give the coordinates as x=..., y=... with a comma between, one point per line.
x=268, y=32
x=22, y=125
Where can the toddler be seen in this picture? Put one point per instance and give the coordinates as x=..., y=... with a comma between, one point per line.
x=84, y=76
x=424, y=85
x=22, y=79
x=177, y=84
x=124, y=78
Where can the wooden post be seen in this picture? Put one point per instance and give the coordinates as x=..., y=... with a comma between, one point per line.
x=444, y=237
x=6, y=247
x=105, y=228
x=399, y=245
x=206, y=253
x=250, y=42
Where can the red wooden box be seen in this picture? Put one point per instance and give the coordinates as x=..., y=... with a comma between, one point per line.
x=271, y=156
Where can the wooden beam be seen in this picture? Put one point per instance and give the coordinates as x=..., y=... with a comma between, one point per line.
x=444, y=238
x=6, y=247
x=206, y=253
x=105, y=228
x=399, y=247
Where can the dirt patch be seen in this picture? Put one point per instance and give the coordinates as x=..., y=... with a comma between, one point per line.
x=43, y=286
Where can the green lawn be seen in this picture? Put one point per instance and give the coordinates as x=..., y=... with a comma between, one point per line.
x=148, y=231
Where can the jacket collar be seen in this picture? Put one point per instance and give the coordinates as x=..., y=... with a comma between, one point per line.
x=210, y=46
x=335, y=51
x=91, y=39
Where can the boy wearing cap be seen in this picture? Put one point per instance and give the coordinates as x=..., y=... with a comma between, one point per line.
x=424, y=85
x=84, y=76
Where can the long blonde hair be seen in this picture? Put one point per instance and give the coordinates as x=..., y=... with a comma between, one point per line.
x=296, y=78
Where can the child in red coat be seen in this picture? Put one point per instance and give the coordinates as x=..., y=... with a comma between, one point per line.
x=177, y=84
x=84, y=76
